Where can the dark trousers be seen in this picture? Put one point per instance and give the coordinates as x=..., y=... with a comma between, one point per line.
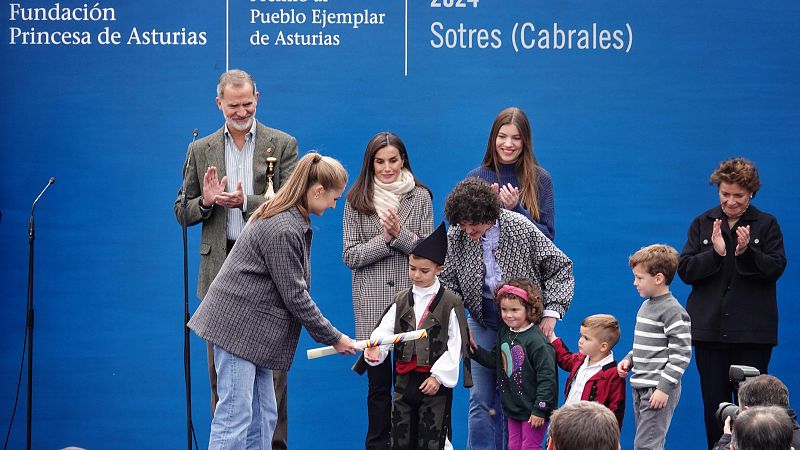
x=420, y=421
x=281, y=435
x=714, y=359
x=379, y=405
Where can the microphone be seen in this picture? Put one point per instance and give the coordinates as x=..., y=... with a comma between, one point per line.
x=30, y=223
x=49, y=182
x=189, y=153
x=186, y=169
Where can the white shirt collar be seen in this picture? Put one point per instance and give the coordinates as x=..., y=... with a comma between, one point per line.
x=430, y=290
x=600, y=363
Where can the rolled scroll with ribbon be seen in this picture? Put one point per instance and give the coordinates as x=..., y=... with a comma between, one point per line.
x=369, y=343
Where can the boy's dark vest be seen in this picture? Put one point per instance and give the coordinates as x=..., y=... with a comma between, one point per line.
x=443, y=302
x=430, y=348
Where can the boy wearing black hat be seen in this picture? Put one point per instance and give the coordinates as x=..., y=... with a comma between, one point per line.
x=427, y=369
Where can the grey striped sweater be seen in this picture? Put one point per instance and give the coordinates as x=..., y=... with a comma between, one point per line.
x=662, y=344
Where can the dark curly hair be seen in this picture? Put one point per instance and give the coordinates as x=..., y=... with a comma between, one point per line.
x=534, y=306
x=739, y=171
x=473, y=201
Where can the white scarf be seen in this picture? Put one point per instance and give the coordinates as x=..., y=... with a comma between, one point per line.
x=387, y=196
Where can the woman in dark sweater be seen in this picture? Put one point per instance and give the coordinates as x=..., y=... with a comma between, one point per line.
x=511, y=167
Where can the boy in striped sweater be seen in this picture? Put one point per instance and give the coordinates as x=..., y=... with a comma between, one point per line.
x=661, y=346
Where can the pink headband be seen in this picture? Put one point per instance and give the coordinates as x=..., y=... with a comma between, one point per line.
x=509, y=289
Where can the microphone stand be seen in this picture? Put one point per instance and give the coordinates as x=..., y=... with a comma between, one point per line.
x=187, y=373
x=29, y=319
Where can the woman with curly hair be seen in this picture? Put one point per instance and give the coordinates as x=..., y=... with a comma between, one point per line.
x=511, y=168
x=732, y=259
x=386, y=212
x=487, y=244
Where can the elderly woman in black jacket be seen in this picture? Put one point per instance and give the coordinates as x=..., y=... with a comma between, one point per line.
x=732, y=259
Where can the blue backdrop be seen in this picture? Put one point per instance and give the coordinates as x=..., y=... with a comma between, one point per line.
x=629, y=133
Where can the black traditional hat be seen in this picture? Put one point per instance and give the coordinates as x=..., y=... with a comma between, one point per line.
x=433, y=247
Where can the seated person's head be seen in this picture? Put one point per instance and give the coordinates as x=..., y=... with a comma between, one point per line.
x=762, y=428
x=599, y=334
x=583, y=425
x=653, y=268
x=763, y=390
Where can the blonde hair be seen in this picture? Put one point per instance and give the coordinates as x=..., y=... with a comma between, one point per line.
x=655, y=259
x=606, y=325
x=312, y=169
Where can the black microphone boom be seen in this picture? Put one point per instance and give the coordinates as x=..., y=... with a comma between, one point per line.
x=29, y=321
x=187, y=363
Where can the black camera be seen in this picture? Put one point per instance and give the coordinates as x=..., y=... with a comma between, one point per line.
x=726, y=410
x=738, y=375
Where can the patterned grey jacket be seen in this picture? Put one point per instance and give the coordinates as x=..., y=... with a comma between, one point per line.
x=380, y=270
x=258, y=301
x=523, y=251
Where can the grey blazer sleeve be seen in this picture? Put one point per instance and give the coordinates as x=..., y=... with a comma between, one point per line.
x=194, y=192
x=284, y=259
x=287, y=162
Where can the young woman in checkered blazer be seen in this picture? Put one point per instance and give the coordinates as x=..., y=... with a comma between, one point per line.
x=386, y=212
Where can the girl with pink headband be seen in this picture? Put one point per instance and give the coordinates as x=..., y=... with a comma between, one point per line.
x=525, y=364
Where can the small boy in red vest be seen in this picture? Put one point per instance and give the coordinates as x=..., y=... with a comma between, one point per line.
x=593, y=371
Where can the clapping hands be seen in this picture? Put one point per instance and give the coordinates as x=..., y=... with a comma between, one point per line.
x=391, y=224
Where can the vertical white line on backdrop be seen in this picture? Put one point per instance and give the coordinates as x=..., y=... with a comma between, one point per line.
x=226, y=34
x=405, y=61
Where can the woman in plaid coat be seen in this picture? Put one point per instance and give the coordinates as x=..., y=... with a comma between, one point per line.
x=386, y=212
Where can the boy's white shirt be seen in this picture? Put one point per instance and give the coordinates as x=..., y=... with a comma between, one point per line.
x=446, y=368
x=585, y=372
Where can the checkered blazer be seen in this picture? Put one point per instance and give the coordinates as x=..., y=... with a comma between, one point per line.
x=255, y=306
x=523, y=251
x=381, y=270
